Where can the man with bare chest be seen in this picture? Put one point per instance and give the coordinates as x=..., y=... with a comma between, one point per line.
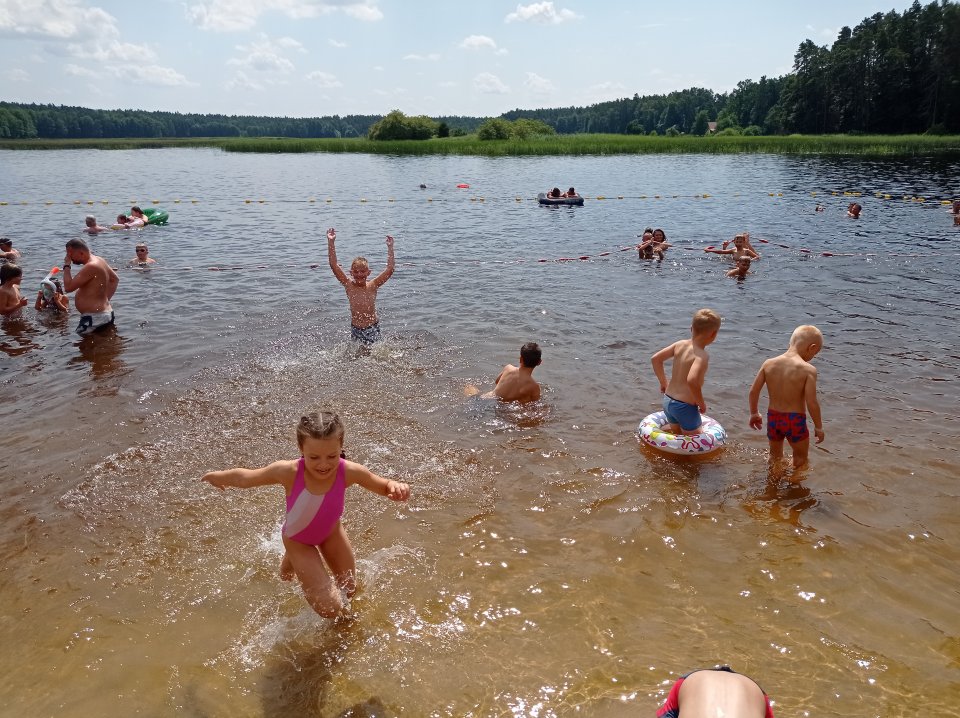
x=95, y=285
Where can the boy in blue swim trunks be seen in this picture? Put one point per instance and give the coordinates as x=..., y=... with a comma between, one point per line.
x=792, y=389
x=362, y=294
x=683, y=400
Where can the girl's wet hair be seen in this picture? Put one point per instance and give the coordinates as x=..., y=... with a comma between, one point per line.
x=319, y=425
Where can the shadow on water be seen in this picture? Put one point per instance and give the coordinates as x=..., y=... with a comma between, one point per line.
x=783, y=497
x=299, y=677
x=19, y=338
x=101, y=351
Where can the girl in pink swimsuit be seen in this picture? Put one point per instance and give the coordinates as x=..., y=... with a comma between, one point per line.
x=315, y=541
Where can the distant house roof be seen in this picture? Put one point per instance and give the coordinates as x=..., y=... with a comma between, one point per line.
x=711, y=127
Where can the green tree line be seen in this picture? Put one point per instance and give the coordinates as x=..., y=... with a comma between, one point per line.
x=894, y=73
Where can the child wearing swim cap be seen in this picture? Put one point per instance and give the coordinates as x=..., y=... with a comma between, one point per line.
x=318, y=551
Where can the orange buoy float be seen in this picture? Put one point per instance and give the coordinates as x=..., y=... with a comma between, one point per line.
x=463, y=186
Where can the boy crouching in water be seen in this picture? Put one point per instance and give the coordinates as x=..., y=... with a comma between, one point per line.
x=515, y=383
x=792, y=388
x=683, y=400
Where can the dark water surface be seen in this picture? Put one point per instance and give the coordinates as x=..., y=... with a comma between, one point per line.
x=546, y=563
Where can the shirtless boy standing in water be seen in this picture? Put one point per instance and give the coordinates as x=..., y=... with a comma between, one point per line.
x=515, y=383
x=792, y=387
x=683, y=400
x=95, y=285
x=365, y=327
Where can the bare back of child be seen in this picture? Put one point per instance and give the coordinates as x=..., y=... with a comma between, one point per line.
x=515, y=383
x=791, y=382
x=683, y=400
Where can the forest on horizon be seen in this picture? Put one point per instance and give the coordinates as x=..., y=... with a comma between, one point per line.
x=894, y=73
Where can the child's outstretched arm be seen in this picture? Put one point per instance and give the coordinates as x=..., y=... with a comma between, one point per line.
x=393, y=490
x=332, y=257
x=756, y=421
x=813, y=406
x=276, y=473
x=657, y=361
x=388, y=272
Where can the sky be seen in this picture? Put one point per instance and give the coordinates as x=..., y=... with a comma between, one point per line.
x=309, y=58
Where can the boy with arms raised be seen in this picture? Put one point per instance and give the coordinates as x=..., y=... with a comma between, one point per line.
x=683, y=400
x=362, y=295
x=792, y=388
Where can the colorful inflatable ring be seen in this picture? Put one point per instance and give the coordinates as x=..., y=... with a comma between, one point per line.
x=651, y=432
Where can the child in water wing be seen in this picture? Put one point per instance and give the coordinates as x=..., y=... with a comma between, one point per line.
x=318, y=551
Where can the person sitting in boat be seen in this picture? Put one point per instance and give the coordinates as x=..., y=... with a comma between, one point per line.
x=571, y=193
x=555, y=193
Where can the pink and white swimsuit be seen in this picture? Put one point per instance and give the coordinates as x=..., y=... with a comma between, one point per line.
x=311, y=518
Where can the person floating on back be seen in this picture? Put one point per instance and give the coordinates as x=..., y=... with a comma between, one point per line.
x=515, y=383
x=792, y=390
x=683, y=401
x=318, y=551
x=362, y=294
x=715, y=693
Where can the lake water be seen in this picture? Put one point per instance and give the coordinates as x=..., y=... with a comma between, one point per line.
x=546, y=564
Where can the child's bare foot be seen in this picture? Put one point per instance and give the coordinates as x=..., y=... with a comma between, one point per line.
x=286, y=569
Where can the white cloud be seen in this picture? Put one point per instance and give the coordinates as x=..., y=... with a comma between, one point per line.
x=477, y=42
x=78, y=71
x=51, y=19
x=289, y=43
x=17, y=75
x=242, y=81
x=432, y=57
x=538, y=85
x=235, y=15
x=336, y=43
x=323, y=79
x=541, y=12
x=86, y=34
x=263, y=56
x=490, y=84
x=152, y=75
